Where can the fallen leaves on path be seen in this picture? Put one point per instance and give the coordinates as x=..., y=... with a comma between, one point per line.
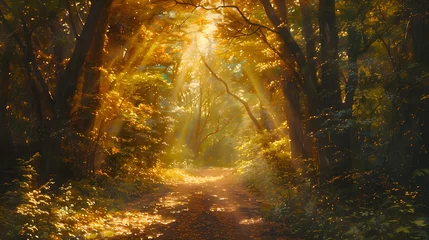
x=208, y=204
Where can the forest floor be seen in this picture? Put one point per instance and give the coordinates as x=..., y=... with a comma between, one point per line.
x=209, y=203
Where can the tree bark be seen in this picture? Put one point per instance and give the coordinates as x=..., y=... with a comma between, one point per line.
x=54, y=145
x=67, y=85
x=333, y=143
x=294, y=121
x=309, y=82
x=310, y=40
x=7, y=152
x=92, y=76
x=351, y=85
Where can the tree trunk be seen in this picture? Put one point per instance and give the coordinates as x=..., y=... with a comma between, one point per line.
x=309, y=82
x=7, y=152
x=197, y=134
x=420, y=36
x=294, y=121
x=92, y=76
x=90, y=92
x=351, y=85
x=56, y=131
x=67, y=85
x=265, y=117
x=310, y=41
x=408, y=149
x=333, y=144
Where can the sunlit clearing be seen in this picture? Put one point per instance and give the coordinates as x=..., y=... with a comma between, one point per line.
x=180, y=176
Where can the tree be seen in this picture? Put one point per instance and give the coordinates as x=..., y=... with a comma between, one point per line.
x=7, y=150
x=53, y=114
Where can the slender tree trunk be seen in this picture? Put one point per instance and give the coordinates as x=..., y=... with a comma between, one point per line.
x=333, y=144
x=420, y=36
x=7, y=152
x=352, y=81
x=352, y=66
x=294, y=121
x=265, y=118
x=310, y=40
x=409, y=146
x=312, y=100
x=197, y=133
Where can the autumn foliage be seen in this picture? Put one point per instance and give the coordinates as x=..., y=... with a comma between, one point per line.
x=321, y=107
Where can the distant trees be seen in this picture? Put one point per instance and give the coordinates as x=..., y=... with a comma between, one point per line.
x=349, y=76
x=327, y=49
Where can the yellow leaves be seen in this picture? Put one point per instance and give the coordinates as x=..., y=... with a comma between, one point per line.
x=115, y=150
x=420, y=223
x=403, y=229
x=424, y=97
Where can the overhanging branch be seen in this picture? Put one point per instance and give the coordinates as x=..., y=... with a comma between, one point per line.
x=244, y=103
x=237, y=9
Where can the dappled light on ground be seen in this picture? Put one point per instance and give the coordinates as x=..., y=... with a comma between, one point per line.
x=196, y=205
x=251, y=221
x=180, y=176
x=109, y=109
x=199, y=180
x=122, y=223
x=215, y=208
x=172, y=201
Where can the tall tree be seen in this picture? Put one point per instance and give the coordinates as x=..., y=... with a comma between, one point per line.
x=54, y=113
x=7, y=152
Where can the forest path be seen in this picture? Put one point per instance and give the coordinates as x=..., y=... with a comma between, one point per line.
x=209, y=204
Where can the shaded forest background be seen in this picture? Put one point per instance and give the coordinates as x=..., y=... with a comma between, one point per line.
x=330, y=99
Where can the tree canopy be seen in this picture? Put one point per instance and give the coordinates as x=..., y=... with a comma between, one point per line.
x=328, y=98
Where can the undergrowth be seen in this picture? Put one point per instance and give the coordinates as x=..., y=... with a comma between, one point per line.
x=75, y=210
x=366, y=205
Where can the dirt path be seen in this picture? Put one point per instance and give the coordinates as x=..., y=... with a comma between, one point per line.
x=210, y=205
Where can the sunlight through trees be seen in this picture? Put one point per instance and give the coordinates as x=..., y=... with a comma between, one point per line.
x=319, y=109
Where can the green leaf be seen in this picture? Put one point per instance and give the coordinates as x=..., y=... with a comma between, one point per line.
x=420, y=223
x=403, y=229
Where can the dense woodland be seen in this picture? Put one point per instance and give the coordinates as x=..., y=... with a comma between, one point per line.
x=320, y=106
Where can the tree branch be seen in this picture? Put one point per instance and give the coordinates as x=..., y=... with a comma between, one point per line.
x=237, y=9
x=71, y=19
x=244, y=103
x=216, y=130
